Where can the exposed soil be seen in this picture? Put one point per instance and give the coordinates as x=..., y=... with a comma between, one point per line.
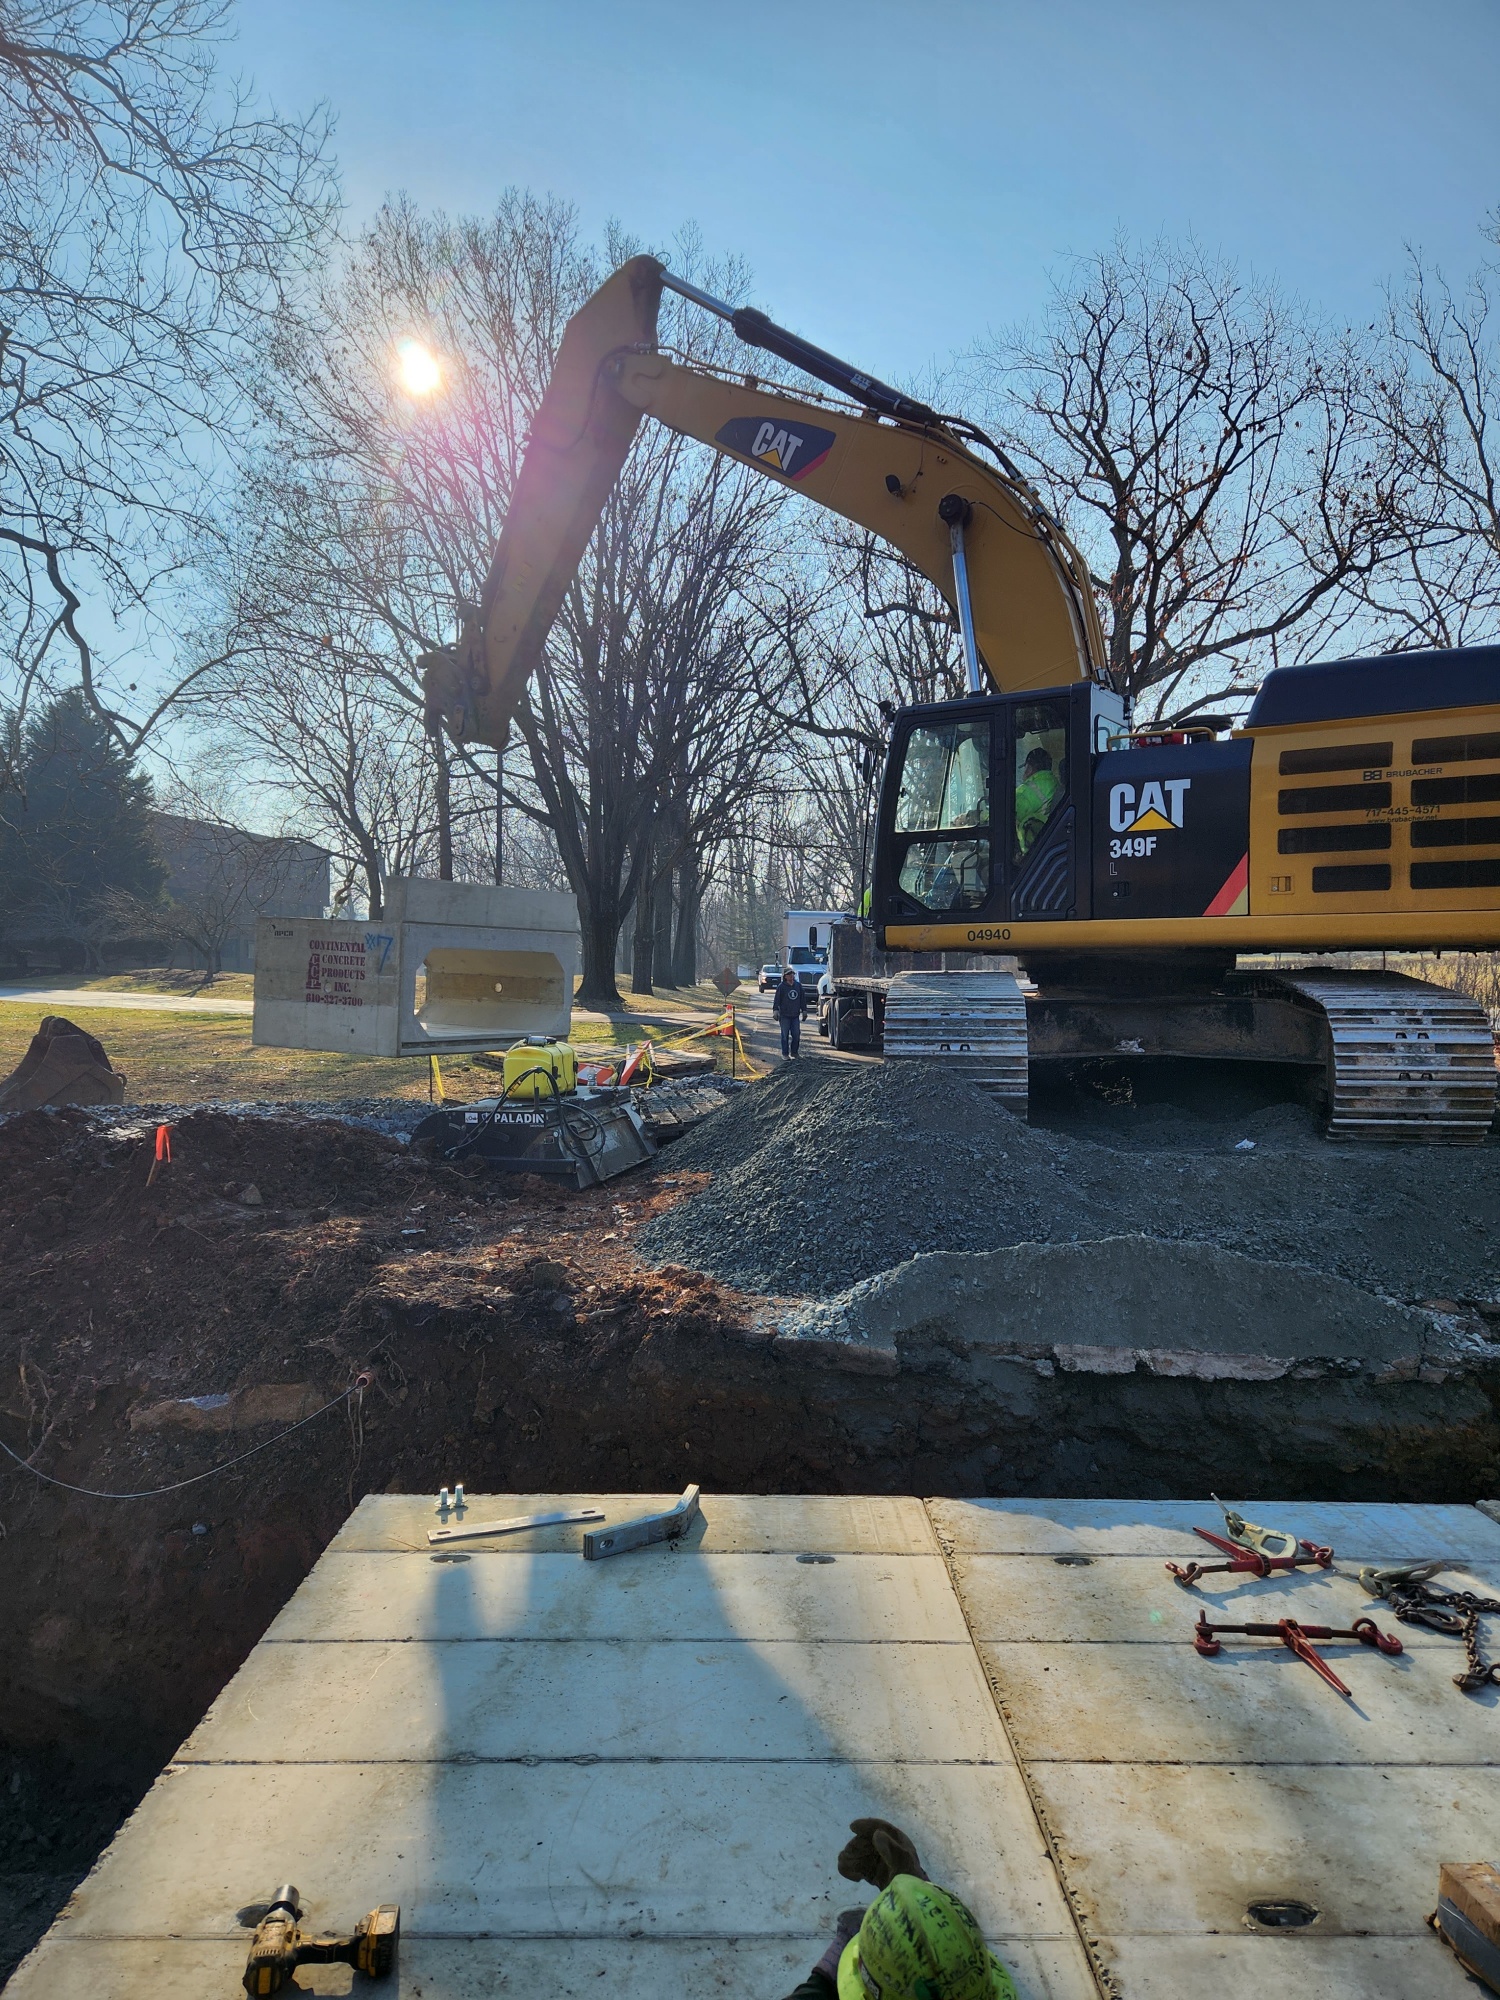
x=515, y=1337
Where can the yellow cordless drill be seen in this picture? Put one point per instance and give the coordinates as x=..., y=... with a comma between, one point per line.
x=281, y=1944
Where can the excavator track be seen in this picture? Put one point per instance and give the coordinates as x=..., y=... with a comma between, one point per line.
x=1409, y=1063
x=974, y=1020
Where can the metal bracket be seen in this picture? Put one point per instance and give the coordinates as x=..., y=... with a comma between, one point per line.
x=514, y=1525
x=639, y=1534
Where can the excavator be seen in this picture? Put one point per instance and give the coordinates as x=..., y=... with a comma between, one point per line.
x=1125, y=872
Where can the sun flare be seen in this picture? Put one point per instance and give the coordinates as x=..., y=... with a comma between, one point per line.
x=418, y=368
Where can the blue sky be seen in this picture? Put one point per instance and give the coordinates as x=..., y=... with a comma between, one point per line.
x=903, y=177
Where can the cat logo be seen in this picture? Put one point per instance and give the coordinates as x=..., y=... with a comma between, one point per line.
x=1157, y=810
x=792, y=450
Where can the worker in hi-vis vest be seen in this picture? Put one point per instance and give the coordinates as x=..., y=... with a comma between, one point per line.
x=914, y=1942
x=1036, y=795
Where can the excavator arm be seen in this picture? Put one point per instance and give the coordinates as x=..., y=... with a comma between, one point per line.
x=1019, y=589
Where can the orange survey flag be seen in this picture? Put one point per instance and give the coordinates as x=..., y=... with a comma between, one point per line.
x=163, y=1152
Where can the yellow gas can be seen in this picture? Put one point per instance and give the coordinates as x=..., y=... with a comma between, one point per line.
x=540, y=1067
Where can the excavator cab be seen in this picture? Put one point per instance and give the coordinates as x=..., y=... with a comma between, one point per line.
x=985, y=810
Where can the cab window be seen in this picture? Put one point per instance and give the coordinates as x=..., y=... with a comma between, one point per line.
x=945, y=794
x=947, y=874
x=945, y=780
x=1041, y=773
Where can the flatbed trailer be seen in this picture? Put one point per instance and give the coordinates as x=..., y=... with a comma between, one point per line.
x=852, y=994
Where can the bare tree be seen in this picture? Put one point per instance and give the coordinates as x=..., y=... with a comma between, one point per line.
x=370, y=514
x=150, y=217
x=642, y=724
x=1437, y=405
x=1206, y=444
x=371, y=521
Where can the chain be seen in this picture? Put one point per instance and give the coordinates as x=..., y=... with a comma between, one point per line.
x=1456, y=1612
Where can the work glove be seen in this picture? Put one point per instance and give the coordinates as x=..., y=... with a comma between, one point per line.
x=878, y=1852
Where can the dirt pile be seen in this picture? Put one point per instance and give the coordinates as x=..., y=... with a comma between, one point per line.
x=828, y=1174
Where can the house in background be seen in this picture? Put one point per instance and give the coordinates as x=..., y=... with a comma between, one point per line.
x=221, y=878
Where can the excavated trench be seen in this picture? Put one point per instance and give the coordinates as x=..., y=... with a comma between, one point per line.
x=1153, y=1310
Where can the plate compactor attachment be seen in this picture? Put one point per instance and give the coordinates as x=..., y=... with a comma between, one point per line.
x=582, y=1137
x=281, y=1944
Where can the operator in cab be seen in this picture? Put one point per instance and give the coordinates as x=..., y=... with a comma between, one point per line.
x=789, y=1005
x=1036, y=795
x=914, y=1942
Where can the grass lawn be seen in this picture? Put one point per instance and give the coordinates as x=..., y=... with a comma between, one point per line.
x=183, y=1058
x=188, y=1058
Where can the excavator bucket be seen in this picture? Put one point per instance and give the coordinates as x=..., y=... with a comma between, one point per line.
x=64, y=1065
x=579, y=439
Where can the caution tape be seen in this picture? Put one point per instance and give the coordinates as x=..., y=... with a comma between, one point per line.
x=726, y=1028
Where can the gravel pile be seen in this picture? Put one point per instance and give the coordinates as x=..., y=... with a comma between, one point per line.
x=829, y=1173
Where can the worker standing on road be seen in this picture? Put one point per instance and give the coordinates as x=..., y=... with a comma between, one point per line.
x=915, y=1941
x=789, y=1005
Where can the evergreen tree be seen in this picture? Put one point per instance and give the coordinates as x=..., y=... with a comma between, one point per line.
x=76, y=831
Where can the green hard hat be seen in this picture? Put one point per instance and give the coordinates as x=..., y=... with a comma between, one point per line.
x=918, y=1942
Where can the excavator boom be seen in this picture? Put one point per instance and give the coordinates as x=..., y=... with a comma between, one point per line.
x=892, y=466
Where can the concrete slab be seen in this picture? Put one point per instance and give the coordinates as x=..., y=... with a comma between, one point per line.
x=1248, y=1968
x=482, y=1968
x=654, y=1593
x=559, y=1849
x=582, y=1699
x=1012, y=1599
x=787, y=1523
x=1179, y=1790
x=630, y=1776
x=1255, y=1700
x=1167, y=1849
x=1358, y=1533
x=633, y=1777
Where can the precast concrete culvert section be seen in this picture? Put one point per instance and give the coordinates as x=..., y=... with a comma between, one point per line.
x=855, y=1278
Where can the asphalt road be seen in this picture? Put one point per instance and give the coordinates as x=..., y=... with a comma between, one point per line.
x=71, y=1000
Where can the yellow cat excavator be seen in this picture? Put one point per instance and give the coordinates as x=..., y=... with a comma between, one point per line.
x=1125, y=870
